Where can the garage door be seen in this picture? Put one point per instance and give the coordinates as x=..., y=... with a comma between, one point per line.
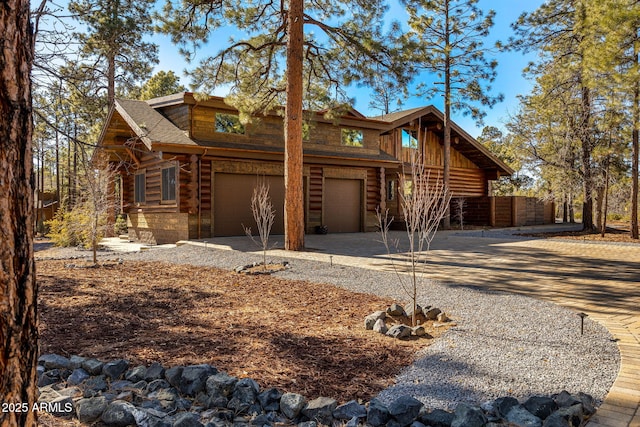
x=342, y=205
x=232, y=203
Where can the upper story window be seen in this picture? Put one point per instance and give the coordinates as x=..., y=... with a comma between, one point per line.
x=409, y=138
x=139, y=187
x=169, y=184
x=352, y=137
x=229, y=123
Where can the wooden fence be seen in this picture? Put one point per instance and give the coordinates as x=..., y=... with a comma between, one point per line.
x=512, y=211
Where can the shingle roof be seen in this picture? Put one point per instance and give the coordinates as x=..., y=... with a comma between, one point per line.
x=392, y=117
x=149, y=125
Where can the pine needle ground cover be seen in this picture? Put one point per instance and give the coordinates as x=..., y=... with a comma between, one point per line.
x=301, y=337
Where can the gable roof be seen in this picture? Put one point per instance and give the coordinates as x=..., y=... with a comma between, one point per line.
x=468, y=146
x=149, y=125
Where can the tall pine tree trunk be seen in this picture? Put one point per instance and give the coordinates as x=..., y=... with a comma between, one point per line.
x=634, y=159
x=586, y=141
x=446, y=161
x=293, y=157
x=18, y=327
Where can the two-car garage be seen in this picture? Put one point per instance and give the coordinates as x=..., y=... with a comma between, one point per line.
x=342, y=203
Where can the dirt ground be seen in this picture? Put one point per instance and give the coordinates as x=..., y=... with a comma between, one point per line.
x=618, y=232
x=300, y=337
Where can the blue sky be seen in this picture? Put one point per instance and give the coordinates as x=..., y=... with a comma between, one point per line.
x=509, y=81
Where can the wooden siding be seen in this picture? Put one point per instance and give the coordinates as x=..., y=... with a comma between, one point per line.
x=178, y=115
x=269, y=131
x=314, y=215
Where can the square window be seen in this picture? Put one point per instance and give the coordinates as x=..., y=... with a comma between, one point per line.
x=229, y=123
x=139, y=187
x=352, y=137
x=409, y=138
x=169, y=184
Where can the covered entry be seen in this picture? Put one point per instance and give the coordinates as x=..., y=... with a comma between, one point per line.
x=343, y=205
x=232, y=203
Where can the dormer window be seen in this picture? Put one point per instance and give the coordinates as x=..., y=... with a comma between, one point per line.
x=352, y=137
x=229, y=123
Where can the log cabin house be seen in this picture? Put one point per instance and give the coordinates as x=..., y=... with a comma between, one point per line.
x=187, y=168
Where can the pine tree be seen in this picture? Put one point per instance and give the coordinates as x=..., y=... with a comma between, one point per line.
x=558, y=31
x=615, y=54
x=160, y=84
x=113, y=50
x=447, y=38
x=18, y=291
x=276, y=59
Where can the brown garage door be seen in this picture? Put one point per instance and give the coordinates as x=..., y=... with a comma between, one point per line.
x=342, y=204
x=232, y=203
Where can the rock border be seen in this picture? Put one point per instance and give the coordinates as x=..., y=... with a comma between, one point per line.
x=201, y=396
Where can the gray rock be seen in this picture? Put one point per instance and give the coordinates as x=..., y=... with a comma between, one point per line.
x=588, y=403
x=399, y=331
x=218, y=402
x=540, y=406
x=432, y=313
x=349, y=410
x=152, y=418
x=371, y=319
x=75, y=362
x=417, y=424
x=320, y=410
x=503, y=405
x=90, y=410
x=573, y=414
x=396, y=310
x=353, y=422
x=565, y=399
x=380, y=327
x=220, y=384
x=443, y=318
x=519, y=416
x=120, y=385
x=261, y=421
x=409, y=310
x=418, y=331
x=156, y=385
x=377, y=413
x=135, y=374
x=54, y=361
x=437, y=418
x=114, y=370
x=49, y=377
x=187, y=419
x=244, y=395
x=140, y=385
x=405, y=410
x=194, y=378
x=173, y=375
x=154, y=372
x=77, y=376
x=94, y=385
x=291, y=404
x=92, y=366
x=270, y=399
x=307, y=424
x=468, y=416
x=556, y=420
x=119, y=414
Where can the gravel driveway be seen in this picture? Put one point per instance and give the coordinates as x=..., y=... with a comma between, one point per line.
x=503, y=344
